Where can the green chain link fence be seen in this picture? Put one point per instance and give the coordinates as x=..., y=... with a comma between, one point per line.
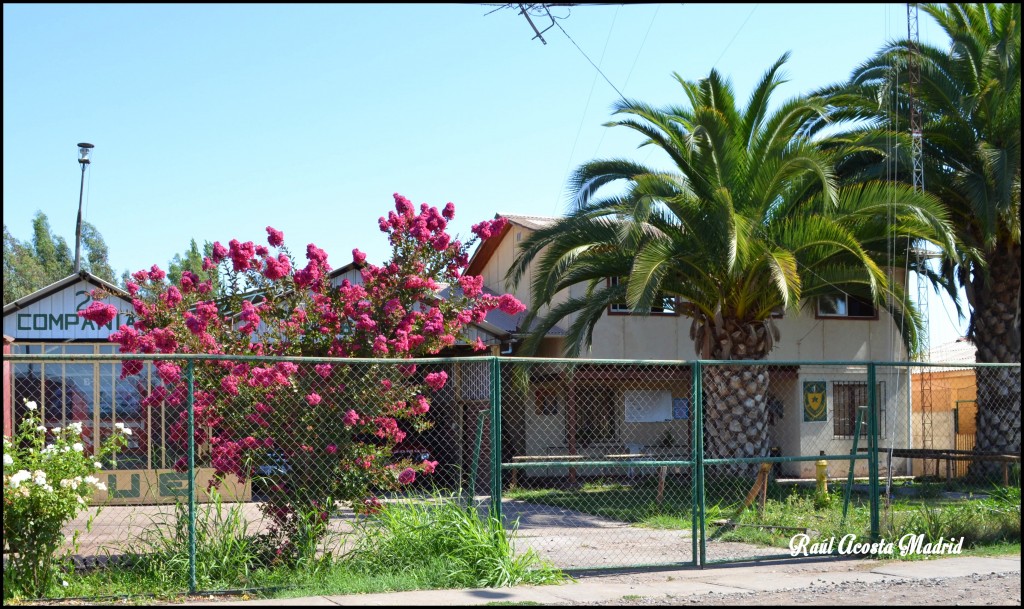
x=596, y=464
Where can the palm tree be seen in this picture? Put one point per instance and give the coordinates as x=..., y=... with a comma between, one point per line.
x=751, y=220
x=969, y=99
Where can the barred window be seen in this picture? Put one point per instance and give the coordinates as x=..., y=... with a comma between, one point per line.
x=847, y=396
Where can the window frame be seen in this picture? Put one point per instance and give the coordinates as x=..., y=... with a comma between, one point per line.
x=621, y=308
x=844, y=416
x=846, y=298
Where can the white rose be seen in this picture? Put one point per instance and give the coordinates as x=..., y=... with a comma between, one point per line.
x=31, y=405
x=8, y=460
x=77, y=447
x=41, y=428
x=98, y=465
x=77, y=427
x=100, y=486
x=57, y=430
x=20, y=477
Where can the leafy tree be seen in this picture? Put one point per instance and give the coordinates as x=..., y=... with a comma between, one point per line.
x=30, y=266
x=95, y=259
x=751, y=220
x=22, y=272
x=51, y=250
x=969, y=99
x=193, y=261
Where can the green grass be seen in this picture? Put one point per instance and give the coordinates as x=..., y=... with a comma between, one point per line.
x=634, y=503
x=433, y=544
x=989, y=516
x=449, y=541
x=999, y=548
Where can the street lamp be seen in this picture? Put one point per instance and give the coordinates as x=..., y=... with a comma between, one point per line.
x=84, y=149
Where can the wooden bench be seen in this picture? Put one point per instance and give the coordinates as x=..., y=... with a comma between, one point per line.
x=950, y=455
x=662, y=470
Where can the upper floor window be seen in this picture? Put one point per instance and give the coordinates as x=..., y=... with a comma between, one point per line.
x=664, y=304
x=845, y=305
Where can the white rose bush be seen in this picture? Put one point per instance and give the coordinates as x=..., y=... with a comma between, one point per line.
x=48, y=480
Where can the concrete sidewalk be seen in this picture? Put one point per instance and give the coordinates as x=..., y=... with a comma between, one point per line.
x=717, y=579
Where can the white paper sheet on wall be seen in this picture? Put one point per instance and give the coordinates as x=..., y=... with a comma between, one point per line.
x=648, y=406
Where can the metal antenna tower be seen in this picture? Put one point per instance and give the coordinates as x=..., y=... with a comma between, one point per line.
x=917, y=159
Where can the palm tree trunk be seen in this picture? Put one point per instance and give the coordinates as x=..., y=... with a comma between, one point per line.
x=996, y=333
x=736, y=420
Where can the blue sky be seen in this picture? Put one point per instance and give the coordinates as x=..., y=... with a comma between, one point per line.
x=213, y=121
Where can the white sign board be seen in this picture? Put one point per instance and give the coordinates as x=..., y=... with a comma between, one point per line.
x=648, y=405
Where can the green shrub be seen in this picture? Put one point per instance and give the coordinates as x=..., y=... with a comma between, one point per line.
x=46, y=485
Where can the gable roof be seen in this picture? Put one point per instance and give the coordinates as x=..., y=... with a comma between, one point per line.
x=57, y=286
x=530, y=222
x=486, y=249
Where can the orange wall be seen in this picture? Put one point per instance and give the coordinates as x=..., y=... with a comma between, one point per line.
x=944, y=389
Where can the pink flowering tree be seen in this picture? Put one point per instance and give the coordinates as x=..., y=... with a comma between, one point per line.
x=332, y=422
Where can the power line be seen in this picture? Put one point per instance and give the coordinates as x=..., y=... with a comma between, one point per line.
x=590, y=95
x=630, y=74
x=734, y=36
x=637, y=58
x=591, y=62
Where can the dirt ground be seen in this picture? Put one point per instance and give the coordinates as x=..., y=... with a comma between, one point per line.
x=567, y=538
x=991, y=589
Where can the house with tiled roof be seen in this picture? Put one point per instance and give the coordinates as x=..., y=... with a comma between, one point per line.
x=831, y=330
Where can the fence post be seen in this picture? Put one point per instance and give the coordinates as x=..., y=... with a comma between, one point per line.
x=475, y=468
x=496, y=438
x=190, y=404
x=699, y=524
x=853, y=462
x=873, y=449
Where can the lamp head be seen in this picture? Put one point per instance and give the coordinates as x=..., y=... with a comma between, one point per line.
x=84, y=149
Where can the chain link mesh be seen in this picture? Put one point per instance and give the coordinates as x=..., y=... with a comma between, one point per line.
x=601, y=464
x=599, y=461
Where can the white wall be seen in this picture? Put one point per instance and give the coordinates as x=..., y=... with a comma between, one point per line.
x=55, y=317
x=802, y=336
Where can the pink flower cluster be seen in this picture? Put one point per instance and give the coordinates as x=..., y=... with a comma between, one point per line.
x=99, y=313
x=489, y=228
